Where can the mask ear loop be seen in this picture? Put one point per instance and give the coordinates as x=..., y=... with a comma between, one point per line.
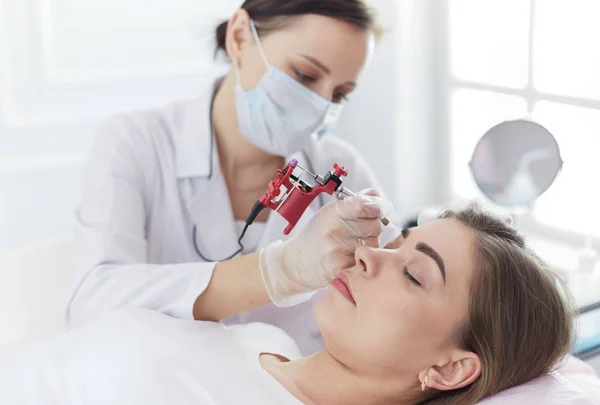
x=260, y=50
x=258, y=43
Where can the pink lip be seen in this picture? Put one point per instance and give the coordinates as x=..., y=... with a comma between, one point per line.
x=342, y=284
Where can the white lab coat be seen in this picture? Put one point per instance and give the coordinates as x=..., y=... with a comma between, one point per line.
x=149, y=181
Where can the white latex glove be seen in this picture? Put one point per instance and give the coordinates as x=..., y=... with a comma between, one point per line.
x=326, y=245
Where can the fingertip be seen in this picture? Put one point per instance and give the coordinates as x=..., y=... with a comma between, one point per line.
x=370, y=191
x=384, y=207
x=387, y=207
x=370, y=207
x=365, y=206
x=372, y=241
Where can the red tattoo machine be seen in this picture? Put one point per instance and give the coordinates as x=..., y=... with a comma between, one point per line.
x=290, y=196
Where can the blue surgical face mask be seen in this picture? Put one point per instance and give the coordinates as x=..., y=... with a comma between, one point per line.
x=281, y=115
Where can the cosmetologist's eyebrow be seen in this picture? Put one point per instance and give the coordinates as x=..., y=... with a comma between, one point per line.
x=317, y=63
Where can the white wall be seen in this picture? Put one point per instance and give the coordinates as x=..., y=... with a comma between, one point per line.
x=389, y=118
x=596, y=364
x=66, y=65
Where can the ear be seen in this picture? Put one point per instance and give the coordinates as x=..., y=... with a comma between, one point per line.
x=238, y=35
x=463, y=369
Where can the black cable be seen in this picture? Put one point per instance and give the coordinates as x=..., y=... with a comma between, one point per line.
x=240, y=250
x=258, y=207
x=210, y=174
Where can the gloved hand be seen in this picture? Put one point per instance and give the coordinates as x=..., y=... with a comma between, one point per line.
x=312, y=258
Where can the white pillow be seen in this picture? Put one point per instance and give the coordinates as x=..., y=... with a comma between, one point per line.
x=574, y=383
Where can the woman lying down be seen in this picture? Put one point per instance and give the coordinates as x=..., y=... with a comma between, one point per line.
x=458, y=311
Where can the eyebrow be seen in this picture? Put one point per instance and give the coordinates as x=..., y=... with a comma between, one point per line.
x=429, y=251
x=317, y=63
x=324, y=68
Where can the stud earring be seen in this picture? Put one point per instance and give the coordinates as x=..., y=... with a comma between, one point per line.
x=424, y=383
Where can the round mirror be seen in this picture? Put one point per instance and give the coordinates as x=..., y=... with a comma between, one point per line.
x=515, y=162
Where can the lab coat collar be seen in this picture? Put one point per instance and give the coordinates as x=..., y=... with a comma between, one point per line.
x=211, y=212
x=194, y=140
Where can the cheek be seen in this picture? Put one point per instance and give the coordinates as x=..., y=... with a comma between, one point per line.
x=332, y=316
x=375, y=336
x=339, y=326
x=394, y=335
x=253, y=68
x=390, y=334
x=412, y=334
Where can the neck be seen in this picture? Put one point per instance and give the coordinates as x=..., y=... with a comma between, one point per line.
x=236, y=154
x=321, y=379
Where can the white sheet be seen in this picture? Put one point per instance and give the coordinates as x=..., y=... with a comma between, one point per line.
x=136, y=356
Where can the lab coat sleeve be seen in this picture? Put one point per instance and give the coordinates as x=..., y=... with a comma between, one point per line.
x=110, y=236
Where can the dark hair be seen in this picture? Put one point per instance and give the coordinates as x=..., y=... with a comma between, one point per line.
x=520, y=323
x=271, y=15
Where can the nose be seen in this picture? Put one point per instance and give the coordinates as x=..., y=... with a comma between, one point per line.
x=367, y=261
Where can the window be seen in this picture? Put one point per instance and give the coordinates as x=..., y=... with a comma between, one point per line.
x=530, y=58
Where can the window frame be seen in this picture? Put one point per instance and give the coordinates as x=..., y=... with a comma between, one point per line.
x=526, y=221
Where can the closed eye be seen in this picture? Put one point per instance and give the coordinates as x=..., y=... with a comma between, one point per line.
x=411, y=278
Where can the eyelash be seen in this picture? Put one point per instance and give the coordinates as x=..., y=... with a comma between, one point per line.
x=304, y=77
x=337, y=97
x=411, y=278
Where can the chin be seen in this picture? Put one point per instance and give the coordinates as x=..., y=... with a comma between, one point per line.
x=337, y=329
